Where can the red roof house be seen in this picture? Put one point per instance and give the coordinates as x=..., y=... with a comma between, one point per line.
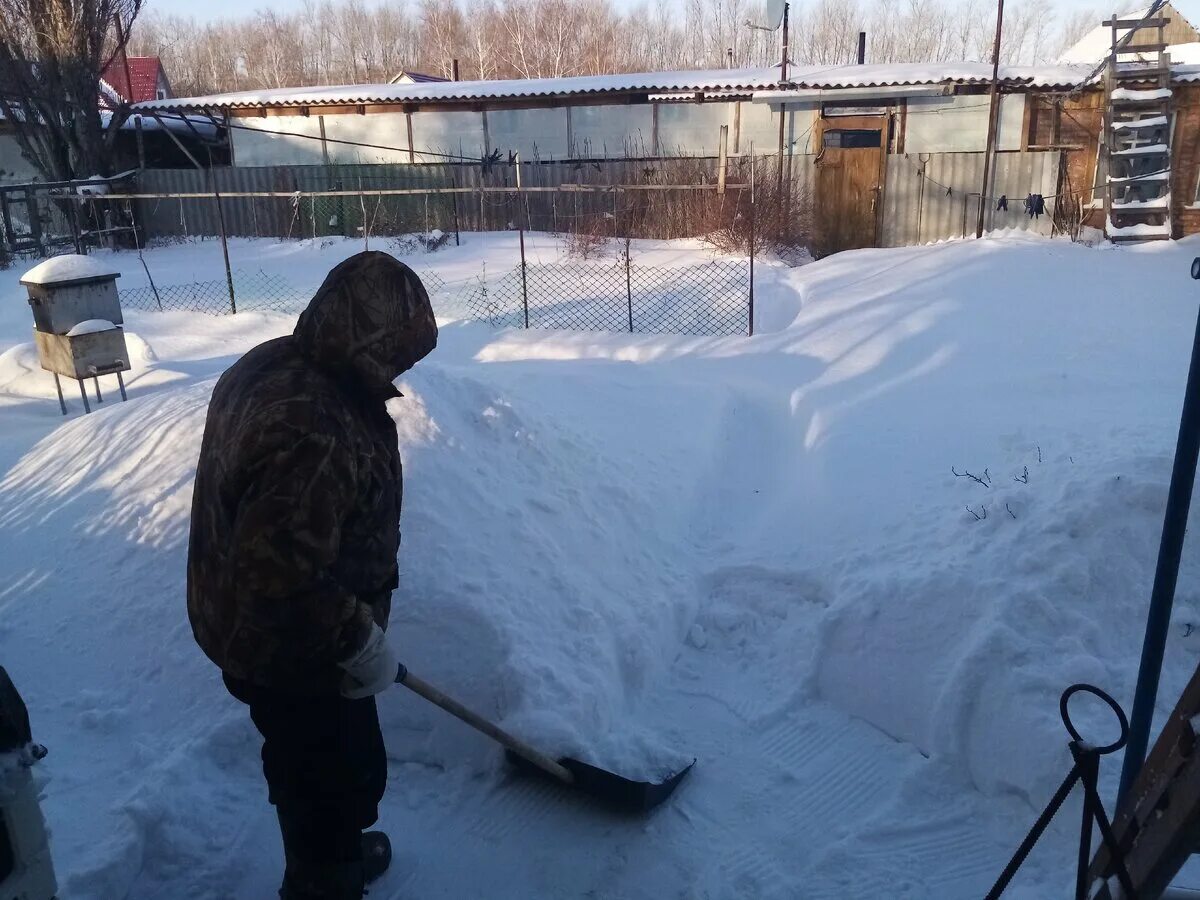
x=147, y=80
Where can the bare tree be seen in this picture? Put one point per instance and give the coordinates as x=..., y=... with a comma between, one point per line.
x=331, y=41
x=51, y=55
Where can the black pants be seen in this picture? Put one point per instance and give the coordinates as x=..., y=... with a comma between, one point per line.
x=325, y=765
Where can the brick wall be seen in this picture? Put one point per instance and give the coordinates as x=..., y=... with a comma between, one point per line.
x=1072, y=125
x=1185, y=158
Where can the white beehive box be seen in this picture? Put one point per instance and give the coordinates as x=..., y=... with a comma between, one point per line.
x=66, y=290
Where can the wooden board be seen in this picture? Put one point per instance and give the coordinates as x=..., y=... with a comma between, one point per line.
x=849, y=186
x=1158, y=825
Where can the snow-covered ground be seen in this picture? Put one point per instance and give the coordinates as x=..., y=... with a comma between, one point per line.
x=643, y=549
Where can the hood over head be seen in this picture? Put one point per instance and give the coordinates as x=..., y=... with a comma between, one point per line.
x=371, y=319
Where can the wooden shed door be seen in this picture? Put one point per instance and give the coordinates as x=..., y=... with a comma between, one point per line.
x=850, y=170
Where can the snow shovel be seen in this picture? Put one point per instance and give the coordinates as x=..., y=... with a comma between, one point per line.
x=620, y=793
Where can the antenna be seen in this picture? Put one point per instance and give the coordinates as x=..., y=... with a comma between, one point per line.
x=772, y=16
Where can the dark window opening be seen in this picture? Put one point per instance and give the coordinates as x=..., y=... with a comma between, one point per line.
x=853, y=138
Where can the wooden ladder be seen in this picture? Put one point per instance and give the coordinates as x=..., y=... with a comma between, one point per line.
x=1137, y=133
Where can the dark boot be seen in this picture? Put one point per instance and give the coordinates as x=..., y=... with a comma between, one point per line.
x=322, y=881
x=316, y=868
x=377, y=854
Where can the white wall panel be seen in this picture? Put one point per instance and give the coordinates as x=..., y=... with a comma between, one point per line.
x=448, y=132
x=612, y=131
x=261, y=146
x=537, y=134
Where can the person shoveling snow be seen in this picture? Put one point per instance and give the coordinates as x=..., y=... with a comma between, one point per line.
x=292, y=559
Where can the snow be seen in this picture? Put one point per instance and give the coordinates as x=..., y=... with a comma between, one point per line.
x=1130, y=94
x=69, y=267
x=1149, y=176
x=90, y=326
x=695, y=80
x=685, y=82
x=180, y=124
x=1184, y=54
x=1097, y=43
x=1141, y=229
x=1155, y=203
x=644, y=548
x=1145, y=150
x=1148, y=122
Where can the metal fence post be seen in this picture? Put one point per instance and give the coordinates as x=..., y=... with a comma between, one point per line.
x=521, y=237
x=1166, y=573
x=457, y=239
x=225, y=250
x=753, y=238
x=362, y=205
x=628, y=284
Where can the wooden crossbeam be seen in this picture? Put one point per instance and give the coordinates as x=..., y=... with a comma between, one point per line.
x=1136, y=23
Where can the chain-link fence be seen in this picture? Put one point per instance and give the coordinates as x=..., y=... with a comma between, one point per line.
x=593, y=280
x=711, y=298
x=706, y=299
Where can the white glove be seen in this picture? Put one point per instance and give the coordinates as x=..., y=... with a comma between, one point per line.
x=372, y=669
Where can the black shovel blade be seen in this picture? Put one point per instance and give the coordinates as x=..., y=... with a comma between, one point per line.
x=611, y=789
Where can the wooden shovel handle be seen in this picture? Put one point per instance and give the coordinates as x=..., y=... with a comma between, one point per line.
x=480, y=724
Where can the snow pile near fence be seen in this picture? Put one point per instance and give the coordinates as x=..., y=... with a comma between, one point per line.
x=641, y=548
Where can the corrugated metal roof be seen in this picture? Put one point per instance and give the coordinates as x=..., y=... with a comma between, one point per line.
x=714, y=81
x=890, y=74
x=448, y=91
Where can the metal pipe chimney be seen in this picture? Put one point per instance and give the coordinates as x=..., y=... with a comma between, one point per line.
x=454, y=70
x=862, y=47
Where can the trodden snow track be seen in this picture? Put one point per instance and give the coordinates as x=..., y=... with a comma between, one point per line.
x=646, y=549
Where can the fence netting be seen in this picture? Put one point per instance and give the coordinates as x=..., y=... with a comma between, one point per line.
x=710, y=298
x=584, y=269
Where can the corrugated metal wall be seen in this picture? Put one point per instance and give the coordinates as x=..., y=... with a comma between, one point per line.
x=474, y=211
x=918, y=209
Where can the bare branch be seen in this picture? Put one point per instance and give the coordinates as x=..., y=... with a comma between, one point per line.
x=985, y=479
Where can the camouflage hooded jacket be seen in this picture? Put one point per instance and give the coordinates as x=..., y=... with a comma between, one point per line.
x=296, y=508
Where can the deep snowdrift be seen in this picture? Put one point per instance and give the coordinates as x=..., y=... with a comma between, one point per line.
x=641, y=549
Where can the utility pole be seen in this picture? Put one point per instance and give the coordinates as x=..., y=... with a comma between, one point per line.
x=782, y=80
x=993, y=114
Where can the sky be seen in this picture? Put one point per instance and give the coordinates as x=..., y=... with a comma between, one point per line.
x=214, y=9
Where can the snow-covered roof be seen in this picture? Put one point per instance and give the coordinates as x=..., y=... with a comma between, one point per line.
x=1097, y=43
x=711, y=82
x=356, y=94
x=201, y=125
x=888, y=74
x=1184, y=54
x=69, y=267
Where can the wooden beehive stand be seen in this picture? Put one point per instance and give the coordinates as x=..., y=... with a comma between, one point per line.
x=1158, y=824
x=1137, y=131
